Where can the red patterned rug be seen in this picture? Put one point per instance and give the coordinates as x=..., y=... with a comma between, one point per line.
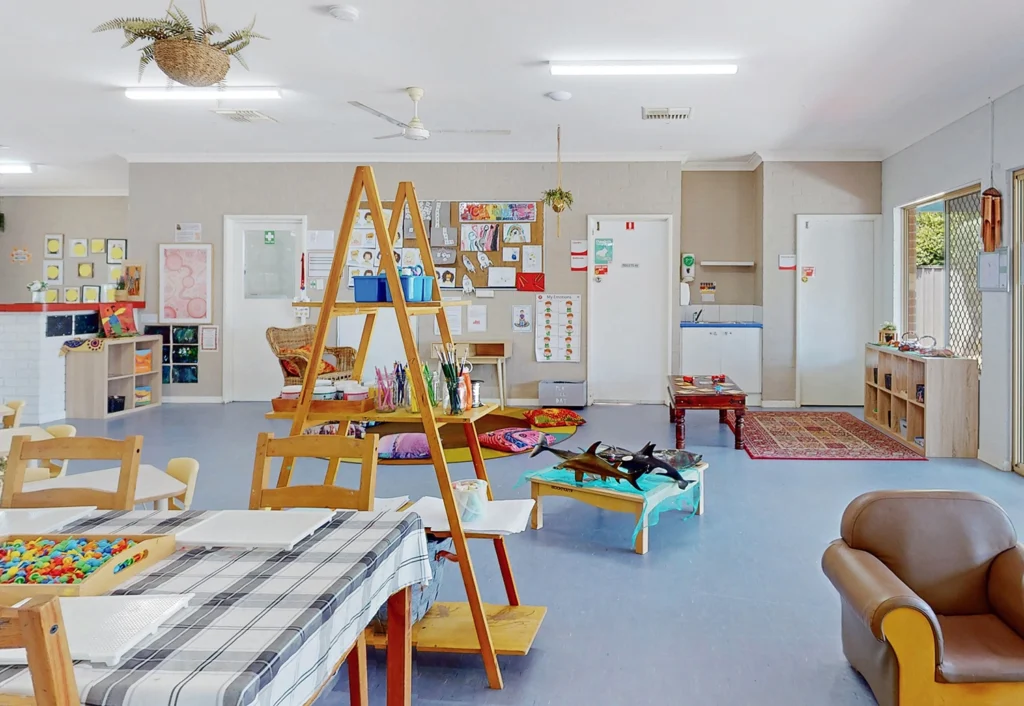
x=810, y=436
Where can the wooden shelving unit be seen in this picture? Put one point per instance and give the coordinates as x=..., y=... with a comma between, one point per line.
x=947, y=417
x=448, y=627
x=94, y=376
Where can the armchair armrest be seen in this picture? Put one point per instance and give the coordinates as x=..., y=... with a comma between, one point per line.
x=871, y=590
x=1006, y=587
x=344, y=355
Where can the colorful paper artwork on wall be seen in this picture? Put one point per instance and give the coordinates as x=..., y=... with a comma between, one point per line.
x=117, y=251
x=53, y=246
x=360, y=257
x=530, y=281
x=533, y=258
x=86, y=270
x=446, y=277
x=91, y=294
x=480, y=237
x=522, y=318
x=53, y=273
x=498, y=211
x=515, y=233
x=21, y=256
x=135, y=277
x=114, y=273
x=72, y=295
x=186, y=283
x=79, y=248
x=97, y=246
x=443, y=256
x=118, y=319
x=557, y=329
x=52, y=295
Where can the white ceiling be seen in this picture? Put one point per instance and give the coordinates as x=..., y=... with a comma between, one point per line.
x=861, y=79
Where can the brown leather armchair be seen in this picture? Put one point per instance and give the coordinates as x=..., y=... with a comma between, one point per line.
x=932, y=588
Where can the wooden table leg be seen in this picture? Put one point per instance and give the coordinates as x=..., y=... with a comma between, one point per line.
x=399, y=674
x=641, y=538
x=739, y=427
x=723, y=416
x=671, y=411
x=537, y=516
x=680, y=428
x=358, y=682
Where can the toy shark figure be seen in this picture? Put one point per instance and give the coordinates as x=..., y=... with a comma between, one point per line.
x=590, y=463
x=543, y=446
x=646, y=460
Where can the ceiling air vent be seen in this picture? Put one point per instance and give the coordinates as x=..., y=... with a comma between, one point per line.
x=245, y=116
x=665, y=113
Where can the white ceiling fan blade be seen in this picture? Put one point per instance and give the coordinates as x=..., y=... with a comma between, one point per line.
x=379, y=114
x=475, y=132
x=390, y=137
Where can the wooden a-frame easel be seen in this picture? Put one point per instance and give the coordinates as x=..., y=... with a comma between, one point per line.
x=472, y=627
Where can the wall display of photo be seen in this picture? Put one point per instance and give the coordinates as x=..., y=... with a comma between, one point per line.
x=511, y=247
x=52, y=295
x=97, y=246
x=114, y=273
x=53, y=246
x=135, y=278
x=79, y=248
x=186, y=283
x=53, y=273
x=117, y=250
x=86, y=270
x=91, y=294
x=72, y=295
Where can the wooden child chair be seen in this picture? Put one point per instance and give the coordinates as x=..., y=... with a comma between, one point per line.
x=52, y=468
x=39, y=627
x=329, y=496
x=13, y=421
x=185, y=470
x=23, y=450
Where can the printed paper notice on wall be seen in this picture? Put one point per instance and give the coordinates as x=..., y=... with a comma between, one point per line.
x=707, y=292
x=188, y=232
x=787, y=262
x=806, y=273
x=556, y=330
x=603, y=251
x=578, y=255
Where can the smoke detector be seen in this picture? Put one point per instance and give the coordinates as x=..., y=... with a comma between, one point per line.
x=559, y=95
x=245, y=116
x=345, y=13
x=665, y=113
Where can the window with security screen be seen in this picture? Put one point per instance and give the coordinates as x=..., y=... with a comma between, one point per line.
x=963, y=242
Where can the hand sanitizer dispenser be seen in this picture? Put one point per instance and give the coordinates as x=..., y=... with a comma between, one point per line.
x=686, y=274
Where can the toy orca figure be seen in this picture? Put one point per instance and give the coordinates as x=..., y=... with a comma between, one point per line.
x=590, y=463
x=646, y=461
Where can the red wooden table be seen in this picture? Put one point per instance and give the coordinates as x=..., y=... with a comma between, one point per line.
x=703, y=393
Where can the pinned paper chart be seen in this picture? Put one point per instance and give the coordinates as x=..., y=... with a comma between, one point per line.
x=557, y=328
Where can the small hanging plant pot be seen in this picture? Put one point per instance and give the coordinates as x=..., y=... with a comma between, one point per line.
x=191, y=63
x=558, y=199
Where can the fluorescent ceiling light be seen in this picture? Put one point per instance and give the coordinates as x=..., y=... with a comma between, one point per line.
x=201, y=94
x=16, y=168
x=638, y=68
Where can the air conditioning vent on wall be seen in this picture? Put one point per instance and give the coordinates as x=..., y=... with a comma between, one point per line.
x=665, y=113
x=245, y=116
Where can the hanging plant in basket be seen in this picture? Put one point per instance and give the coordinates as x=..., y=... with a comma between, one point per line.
x=185, y=53
x=558, y=198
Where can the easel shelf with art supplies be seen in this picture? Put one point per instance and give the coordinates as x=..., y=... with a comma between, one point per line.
x=454, y=627
x=483, y=353
x=928, y=404
x=113, y=378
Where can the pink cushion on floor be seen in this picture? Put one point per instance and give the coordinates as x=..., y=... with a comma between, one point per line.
x=514, y=439
x=404, y=446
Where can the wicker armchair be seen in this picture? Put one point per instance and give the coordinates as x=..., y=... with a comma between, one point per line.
x=283, y=339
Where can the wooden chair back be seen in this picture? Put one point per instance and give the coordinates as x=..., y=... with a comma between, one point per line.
x=328, y=495
x=23, y=450
x=38, y=627
x=58, y=467
x=13, y=421
x=185, y=470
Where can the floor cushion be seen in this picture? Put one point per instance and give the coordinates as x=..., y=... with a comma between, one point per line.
x=303, y=352
x=403, y=446
x=554, y=417
x=514, y=439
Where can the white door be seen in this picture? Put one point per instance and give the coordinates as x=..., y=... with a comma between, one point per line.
x=261, y=278
x=835, y=284
x=629, y=308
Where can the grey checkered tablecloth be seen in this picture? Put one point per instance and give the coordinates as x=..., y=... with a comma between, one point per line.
x=265, y=627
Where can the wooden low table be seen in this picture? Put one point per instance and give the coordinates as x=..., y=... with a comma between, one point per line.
x=609, y=499
x=701, y=394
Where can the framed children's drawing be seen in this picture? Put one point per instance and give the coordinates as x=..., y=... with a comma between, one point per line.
x=186, y=283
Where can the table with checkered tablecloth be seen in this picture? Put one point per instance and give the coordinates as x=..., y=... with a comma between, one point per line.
x=265, y=626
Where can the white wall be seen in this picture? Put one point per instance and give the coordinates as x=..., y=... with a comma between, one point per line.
x=958, y=155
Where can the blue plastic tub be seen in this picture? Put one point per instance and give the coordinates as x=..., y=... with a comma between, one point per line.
x=407, y=287
x=424, y=288
x=369, y=289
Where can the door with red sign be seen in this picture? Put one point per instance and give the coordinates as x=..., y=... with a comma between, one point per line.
x=629, y=296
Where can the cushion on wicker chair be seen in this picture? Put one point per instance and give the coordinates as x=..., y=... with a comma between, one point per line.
x=303, y=352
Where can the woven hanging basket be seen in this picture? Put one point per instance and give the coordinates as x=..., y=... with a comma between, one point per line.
x=191, y=63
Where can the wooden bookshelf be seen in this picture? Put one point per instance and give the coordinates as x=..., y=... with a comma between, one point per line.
x=946, y=419
x=92, y=377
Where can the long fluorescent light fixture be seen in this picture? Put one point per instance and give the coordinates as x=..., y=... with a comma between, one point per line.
x=201, y=94
x=16, y=168
x=638, y=68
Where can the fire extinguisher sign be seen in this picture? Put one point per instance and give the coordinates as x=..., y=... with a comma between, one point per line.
x=630, y=225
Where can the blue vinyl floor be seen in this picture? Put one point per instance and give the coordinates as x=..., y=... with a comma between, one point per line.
x=730, y=608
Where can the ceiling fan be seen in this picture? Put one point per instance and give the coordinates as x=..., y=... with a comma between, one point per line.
x=414, y=129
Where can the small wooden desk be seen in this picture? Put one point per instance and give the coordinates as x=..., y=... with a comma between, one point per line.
x=152, y=486
x=484, y=353
x=701, y=394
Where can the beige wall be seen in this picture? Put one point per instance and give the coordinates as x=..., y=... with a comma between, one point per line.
x=162, y=194
x=792, y=188
x=718, y=223
x=759, y=233
x=29, y=218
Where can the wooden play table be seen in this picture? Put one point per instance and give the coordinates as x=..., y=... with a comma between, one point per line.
x=701, y=394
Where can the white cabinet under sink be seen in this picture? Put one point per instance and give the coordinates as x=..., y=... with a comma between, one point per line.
x=720, y=350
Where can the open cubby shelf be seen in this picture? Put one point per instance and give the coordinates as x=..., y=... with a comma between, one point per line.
x=929, y=400
x=93, y=377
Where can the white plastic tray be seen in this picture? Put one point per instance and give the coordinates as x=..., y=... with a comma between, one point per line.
x=500, y=517
x=102, y=629
x=254, y=529
x=40, y=520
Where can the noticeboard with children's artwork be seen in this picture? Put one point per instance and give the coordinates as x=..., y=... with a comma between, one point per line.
x=505, y=236
x=557, y=328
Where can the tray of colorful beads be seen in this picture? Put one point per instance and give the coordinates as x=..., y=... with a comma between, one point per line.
x=75, y=565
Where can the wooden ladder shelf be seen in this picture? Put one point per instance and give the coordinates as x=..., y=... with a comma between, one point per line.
x=448, y=627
